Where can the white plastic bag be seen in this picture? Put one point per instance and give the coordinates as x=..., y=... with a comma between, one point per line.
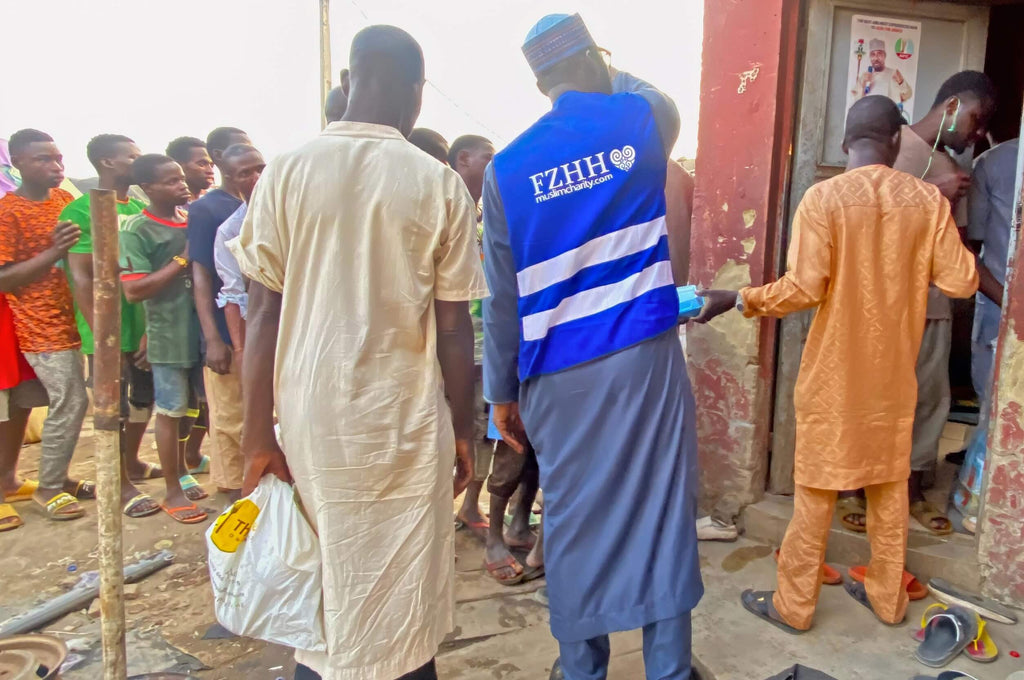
x=265, y=569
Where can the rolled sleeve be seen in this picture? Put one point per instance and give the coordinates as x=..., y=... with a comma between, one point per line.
x=501, y=309
x=457, y=273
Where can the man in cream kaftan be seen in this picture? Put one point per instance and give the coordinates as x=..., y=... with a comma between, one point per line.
x=358, y=391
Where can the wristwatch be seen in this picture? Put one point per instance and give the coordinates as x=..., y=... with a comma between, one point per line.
x=739, y=303
x=180, y=260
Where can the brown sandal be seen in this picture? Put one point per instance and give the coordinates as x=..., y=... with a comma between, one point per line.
x=849, y=507
x=493, y=567
x=926, y=513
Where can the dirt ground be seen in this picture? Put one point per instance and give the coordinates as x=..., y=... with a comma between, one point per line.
x=175, y=605
x=501, y=633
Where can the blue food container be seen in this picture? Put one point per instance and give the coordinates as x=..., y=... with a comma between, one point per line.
x=690, y=303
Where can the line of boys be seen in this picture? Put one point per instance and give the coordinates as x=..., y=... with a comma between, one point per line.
x=171, y=324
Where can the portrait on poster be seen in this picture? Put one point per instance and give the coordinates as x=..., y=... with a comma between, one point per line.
x=883, y=60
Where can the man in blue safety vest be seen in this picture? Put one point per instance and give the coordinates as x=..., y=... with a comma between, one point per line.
x=581, y=353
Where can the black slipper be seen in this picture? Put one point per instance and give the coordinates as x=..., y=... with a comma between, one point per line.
x=759, y=603
x=859, y=592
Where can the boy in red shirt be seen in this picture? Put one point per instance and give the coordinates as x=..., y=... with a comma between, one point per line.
x=32, y=242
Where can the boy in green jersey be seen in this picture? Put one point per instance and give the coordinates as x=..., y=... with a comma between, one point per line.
x=155, y=271
x=112, y=156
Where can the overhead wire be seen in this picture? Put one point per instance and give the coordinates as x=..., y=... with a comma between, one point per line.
x=497, y=135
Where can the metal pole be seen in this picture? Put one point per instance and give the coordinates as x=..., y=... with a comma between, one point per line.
x=107, y=419
x=325, y=57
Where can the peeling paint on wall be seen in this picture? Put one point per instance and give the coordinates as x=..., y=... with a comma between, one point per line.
x=731, y=359
x=1001, y=531
x=747, y=77
x=749, y=216
x=722, y=352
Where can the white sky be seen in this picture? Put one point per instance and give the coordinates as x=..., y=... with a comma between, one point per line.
x=156, y=70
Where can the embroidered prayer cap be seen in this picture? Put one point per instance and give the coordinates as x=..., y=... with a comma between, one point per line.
x=876, y=44
x=554, y=38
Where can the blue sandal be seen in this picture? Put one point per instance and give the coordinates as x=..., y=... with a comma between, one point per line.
x=191, y=488
x=203, y=468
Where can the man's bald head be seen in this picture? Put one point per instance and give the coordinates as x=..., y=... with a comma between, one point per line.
x=874, y=121
x=385, y=79
x=386, y=52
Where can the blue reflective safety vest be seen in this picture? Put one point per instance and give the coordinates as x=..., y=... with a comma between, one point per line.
x=584, y=197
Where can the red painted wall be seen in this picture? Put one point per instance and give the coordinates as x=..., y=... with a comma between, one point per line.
x=1001, y=540
x=746, y=120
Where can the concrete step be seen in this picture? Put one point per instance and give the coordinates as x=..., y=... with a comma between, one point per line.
x=954, y=558
x=846, y=641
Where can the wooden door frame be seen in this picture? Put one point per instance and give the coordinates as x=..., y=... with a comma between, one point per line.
x=808, y=169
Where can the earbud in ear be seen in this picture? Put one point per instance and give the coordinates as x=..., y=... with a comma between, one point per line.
x=956, y=115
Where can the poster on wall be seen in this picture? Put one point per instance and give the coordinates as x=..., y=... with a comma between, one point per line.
x=883, y=60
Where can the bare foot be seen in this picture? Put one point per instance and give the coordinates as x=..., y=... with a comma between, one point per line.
x=469, y=514
x=523, y=540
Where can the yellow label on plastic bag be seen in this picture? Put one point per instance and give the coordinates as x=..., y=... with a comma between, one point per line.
x=232, y=527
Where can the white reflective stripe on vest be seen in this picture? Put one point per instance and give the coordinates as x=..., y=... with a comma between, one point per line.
x=613, y=246
x=594, y=300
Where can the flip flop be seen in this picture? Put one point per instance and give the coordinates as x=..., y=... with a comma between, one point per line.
x=175, y=512
x=532, y=573
x=9, y=517
x=929, y=613
x=85, y=490
x=131, y=508
x=946, y=635
x=509, y=561
x=759, y=603
x=924, y=512
x=830, y=576
x=982, y=648
x=24, y=492
x=852, y=505
x=947, y=675
x=153, y=471
x=203, y=467
x=56, y=505
x=945, y=592
x=915, y=589
x=858, y=592
x=191, y=488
